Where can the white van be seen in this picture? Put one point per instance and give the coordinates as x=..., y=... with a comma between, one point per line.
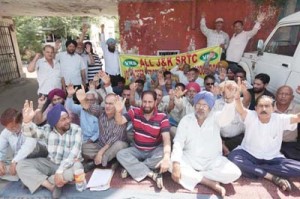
x=278, y=56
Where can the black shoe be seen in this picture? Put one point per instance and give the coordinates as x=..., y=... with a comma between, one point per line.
x=56, y=192
x=89, y=166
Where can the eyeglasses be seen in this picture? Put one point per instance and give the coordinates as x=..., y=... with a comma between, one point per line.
x=209, y=84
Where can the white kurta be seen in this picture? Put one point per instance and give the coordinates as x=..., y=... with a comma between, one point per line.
x=199, y=151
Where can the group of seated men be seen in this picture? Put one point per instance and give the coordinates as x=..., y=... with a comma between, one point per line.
x=209, y=131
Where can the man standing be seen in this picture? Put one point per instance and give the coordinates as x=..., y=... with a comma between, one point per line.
x=284, y=105
x=240, y=39
x=259, y=154
x=63, y=141
x=197, y=150
x=215, y=37
x=72, y=66
x=48, y=71
x=260, y=84
x=152, y=145
x=111, y=58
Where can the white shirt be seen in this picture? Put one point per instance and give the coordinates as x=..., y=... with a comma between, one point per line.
x=112, y=65
x=198, y=145
x=236, y=127
x=214, y=38
x=263, y=140
x=48, y=78
x=21, y=146
x=86, y=61
x=238, y=44
x=181, y=76
x=71, y=67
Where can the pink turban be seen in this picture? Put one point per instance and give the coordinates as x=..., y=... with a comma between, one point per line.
x=57, y=92
x=193, y=85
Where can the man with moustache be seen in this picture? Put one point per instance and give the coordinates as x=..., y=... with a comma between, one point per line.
x=111, y=58
x=260, y=84
x=259, y=154
x=48, y=71
x=197, y=149
x=63, y=141
x=72, y=66
x=152, y=144
x=284, y=105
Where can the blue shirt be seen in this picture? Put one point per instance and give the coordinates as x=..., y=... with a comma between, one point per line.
x=88, y=122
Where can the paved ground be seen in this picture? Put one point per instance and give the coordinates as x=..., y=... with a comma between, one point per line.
x=14, y=94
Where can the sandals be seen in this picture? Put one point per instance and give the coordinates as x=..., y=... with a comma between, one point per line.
x=282, y=183
x=157, y=177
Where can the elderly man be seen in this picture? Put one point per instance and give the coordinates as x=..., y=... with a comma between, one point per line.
x=284, y=105
x=48, y=71
x=151, y=148
x=197, y=149
x=259, y=154
x=63, y=141
x=111, y=57
x=22, y=147
x=112, y=137
x=216, y=37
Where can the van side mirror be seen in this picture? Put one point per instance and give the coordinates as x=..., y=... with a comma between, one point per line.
x=260, y=46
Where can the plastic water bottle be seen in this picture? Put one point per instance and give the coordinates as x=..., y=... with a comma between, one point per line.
x=80, y=180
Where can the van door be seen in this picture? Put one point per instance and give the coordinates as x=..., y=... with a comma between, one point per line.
x=278, y=56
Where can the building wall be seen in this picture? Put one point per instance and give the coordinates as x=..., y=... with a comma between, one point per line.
x=146, y=27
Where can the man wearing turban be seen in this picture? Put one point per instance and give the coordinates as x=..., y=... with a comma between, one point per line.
x=63, y=140
x=197, y=149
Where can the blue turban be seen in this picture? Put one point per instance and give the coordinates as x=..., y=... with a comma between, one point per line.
x=111, y=41
x=54, y=114
x=207, y=96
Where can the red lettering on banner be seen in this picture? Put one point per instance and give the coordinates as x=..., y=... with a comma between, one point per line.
x=150, y=63
x=183, y=59
x=169, y=60
x=177, y=60
x=142, y=64
x=158, y=62
x=194, y=58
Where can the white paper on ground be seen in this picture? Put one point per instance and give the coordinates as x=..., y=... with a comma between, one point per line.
x=100, y=179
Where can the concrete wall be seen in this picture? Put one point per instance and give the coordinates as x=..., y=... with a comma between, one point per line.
x=146, y=27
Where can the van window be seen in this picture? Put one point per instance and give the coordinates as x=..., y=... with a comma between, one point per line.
x=284, y=41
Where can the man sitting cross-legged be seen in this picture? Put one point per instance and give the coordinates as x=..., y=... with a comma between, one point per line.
x=112, y=137
x=197, y=149
x=63, y=140
x=259, y=154
x=151, y=148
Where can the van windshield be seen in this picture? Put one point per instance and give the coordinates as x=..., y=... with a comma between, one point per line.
x=284, y=41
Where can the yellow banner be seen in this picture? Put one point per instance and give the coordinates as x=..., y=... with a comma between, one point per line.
x=136, y=64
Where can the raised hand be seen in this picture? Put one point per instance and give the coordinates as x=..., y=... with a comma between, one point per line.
x=104, y=77
x=179, y=93
x=92, y=85
x=37, y=56
x=260, y=17
x=28, y=111
x=85, y=28
x=80, y=94
x=57, y=44
x=70, y=90
x=42, y=101
x=119, y=104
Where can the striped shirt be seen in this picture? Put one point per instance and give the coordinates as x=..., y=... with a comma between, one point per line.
x=62, y=149
x=110, y=131
x=147, y=133
x=92, y=70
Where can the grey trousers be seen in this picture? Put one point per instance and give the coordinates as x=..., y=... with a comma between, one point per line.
x=33, y=172
x=139, y=163
x=90, y=150
x=39, y=151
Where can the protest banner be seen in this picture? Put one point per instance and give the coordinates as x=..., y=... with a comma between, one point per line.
x=136, y=65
